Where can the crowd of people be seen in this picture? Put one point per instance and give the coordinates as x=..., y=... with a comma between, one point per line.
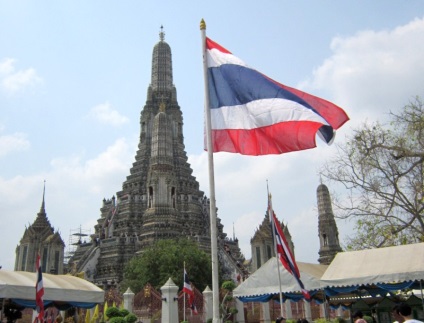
x=401, y=313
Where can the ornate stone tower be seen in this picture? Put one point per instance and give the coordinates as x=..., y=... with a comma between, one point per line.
x=160, y=198
x=327, y=228
x=262, y=243
x=41, y=238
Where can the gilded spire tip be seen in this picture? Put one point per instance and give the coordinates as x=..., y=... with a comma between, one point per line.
x=202, y=25
x=162, y=33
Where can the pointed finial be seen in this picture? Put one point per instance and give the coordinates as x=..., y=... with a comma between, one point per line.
x=202, y=25
x=161, y=34
x=43, y=208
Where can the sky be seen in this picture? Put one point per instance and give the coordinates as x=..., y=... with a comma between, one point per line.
x=74, y=78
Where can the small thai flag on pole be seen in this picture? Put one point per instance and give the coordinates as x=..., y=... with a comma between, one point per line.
x=189, y=291
x=39, y=292
x=285, y=255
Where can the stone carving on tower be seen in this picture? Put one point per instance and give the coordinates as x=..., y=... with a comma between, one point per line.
x=40, y=238
x=160, y=198
x=327, y=227
x=262, y=244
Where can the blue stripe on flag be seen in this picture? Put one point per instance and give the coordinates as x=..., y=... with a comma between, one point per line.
x=232, y=84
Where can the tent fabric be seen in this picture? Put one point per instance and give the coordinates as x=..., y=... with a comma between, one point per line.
x=60, y=305
x=264, y=281
x=376, y=266
x=57, y=288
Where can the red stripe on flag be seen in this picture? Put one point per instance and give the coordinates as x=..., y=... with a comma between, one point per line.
x=39, y=291
x=189, y=291
x=284, y=253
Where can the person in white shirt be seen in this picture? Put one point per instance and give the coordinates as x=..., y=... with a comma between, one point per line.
x=405, y=311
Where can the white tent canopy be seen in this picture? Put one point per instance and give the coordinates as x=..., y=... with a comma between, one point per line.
x=57, y=288
x=383, y=265
x=264, y=281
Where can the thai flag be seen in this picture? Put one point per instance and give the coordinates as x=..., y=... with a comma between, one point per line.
x=39, y=292
x=189, y=291
x=252, y=114
x=285, y=255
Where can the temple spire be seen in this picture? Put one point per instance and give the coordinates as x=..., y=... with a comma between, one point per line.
x=162, y=84
x=327, y=228
x=43, y=205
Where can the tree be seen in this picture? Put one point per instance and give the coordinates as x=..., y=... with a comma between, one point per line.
x=227, y=305
x=166, y=259
x=381, y=166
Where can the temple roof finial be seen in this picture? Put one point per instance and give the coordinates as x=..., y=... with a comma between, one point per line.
x=162, y=34
x=43, y=208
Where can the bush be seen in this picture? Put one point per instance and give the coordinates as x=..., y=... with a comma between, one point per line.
x=131, y=318
x=113, y=312
x=124, y=312
x=322, y=320
x=117, y=319
x=339, y=320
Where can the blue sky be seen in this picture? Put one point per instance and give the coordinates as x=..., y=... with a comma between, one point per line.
x=74, y=78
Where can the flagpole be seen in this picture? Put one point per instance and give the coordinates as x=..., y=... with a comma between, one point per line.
x=184, y=303
x=271, y=219
x=213, y=230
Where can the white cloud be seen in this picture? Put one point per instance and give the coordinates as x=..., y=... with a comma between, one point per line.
x=373, y=72
x=97, y=173
x=12, y=81
x=6, y=66
x=12, y=143
x=105, y=114
x=75, y=188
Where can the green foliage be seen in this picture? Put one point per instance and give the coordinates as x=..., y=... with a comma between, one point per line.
x=227, y=305
x=229, y=285
x=381, y=168
x=233, y=310
x=338, y=320
x=368, y=319
x=131, y=318
x=290, y=321
x=117, y=319
x=113, y=312
x=166, y=259
x=321, y=320
x=123, y=312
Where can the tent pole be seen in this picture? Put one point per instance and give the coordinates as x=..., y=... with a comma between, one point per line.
x=3, y=302
x=326, y=305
